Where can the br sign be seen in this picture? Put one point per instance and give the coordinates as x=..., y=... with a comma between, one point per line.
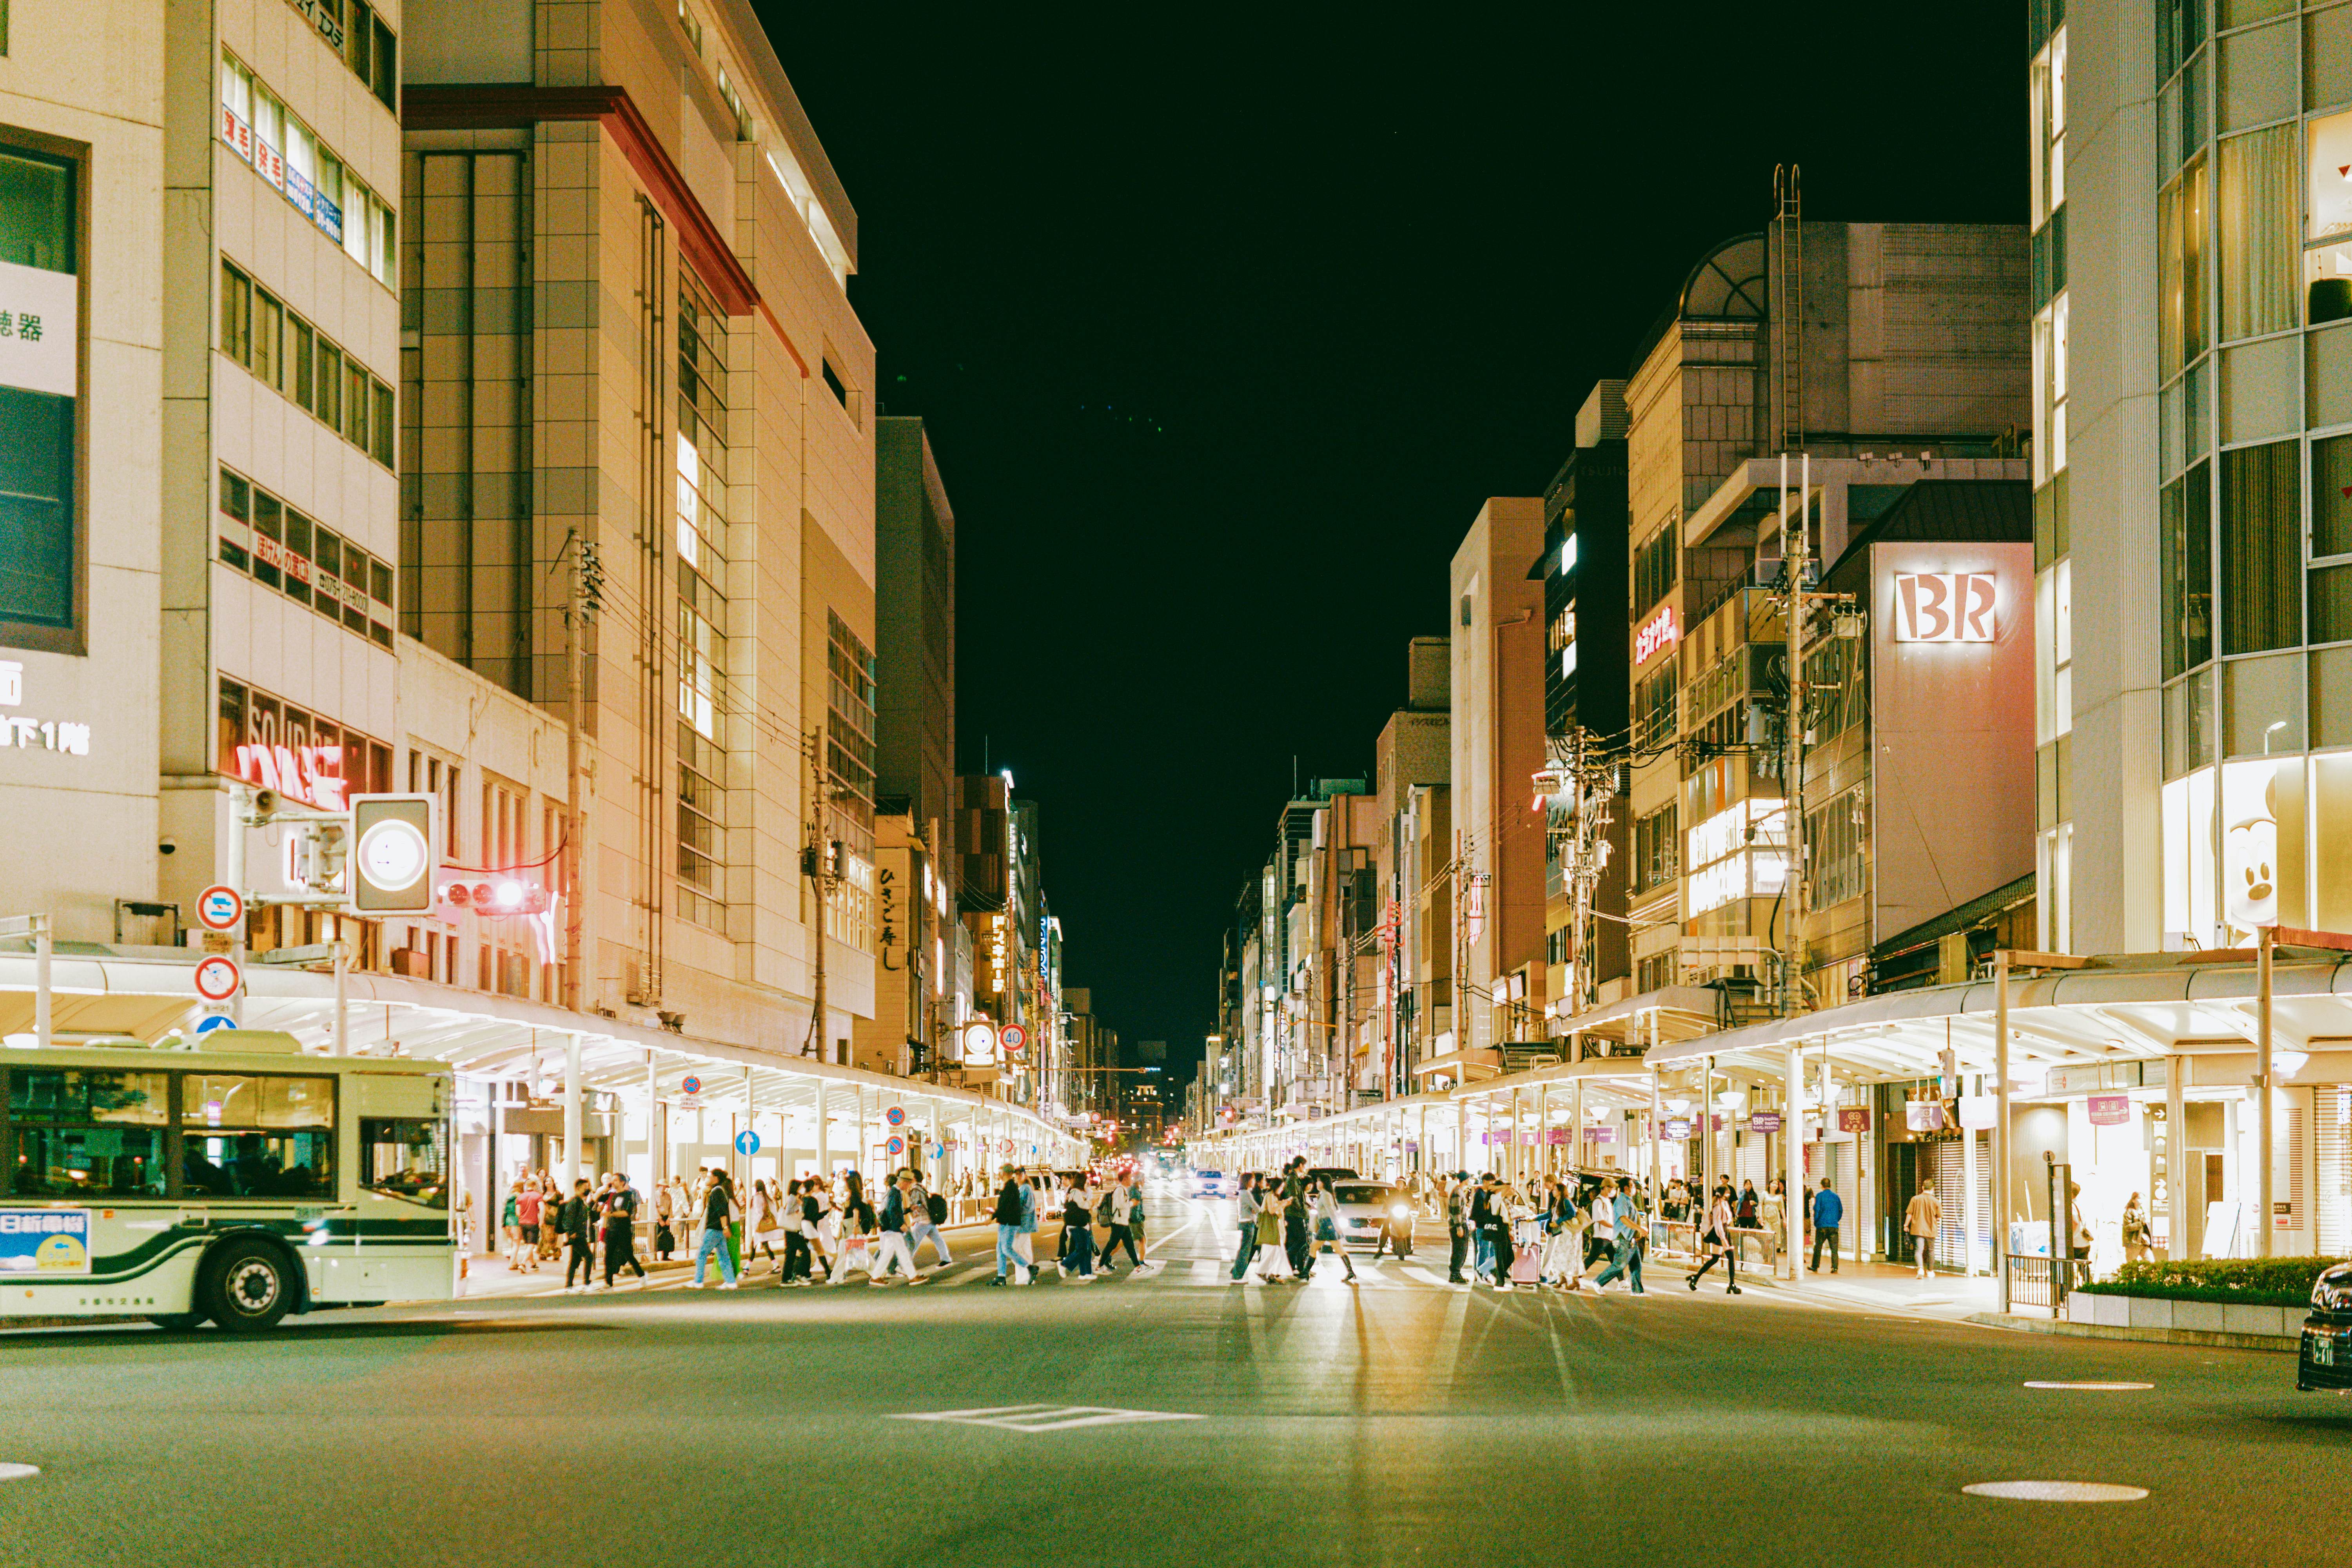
x=1944, y=607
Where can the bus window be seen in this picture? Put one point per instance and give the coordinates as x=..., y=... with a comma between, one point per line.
x=404, y=1157
x=257, y=1135
x=86, y=1135
x=86, y=1162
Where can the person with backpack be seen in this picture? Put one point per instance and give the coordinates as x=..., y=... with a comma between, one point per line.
x=1298, y=1232
x=619, y=1205
x=1078, y=1233
x=897, y=1206
x=719, y=1210
x=1135, y=1222
x=618, y=1197
x=1011, y=1210
x=790, y=1214
x=1497, y=1229
x=1113, y=1212
x=926, y=1212
x=1633, y=1235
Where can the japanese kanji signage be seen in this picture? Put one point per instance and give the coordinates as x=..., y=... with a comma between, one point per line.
x=39, y=341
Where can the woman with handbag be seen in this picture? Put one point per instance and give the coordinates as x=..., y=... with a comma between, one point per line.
x=1325, y=1206
x=1271, y=1253
x=1716, y=1238
x=767, y=1225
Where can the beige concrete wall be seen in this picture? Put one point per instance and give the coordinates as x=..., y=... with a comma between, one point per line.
x=93, y=76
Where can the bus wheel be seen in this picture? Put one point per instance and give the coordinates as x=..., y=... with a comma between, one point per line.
x=177, y=1322
x=245, y=1285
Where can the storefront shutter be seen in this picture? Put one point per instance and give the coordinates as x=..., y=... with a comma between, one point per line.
x=2332, y=1160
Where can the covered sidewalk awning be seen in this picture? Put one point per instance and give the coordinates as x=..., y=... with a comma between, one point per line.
x=2118, y=1008
x=149, y=994
x=1679, y=1013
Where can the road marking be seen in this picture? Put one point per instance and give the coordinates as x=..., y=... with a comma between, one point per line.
x=974, y=1272
x=2111, y=1387
x=2056, y=1491
x=1044, y=1417
x=18, y=1472
x=1208, y=1272
x=1424, y=1274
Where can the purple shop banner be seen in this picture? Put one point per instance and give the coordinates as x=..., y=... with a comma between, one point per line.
x=2110, y=1110
x=1678, y=1129
x=1558, y=1136
x=1924, y=1115
x=1763, y=1122
x=1600, y=1134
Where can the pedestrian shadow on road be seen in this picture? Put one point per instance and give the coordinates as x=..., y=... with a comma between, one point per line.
x=304, y=1333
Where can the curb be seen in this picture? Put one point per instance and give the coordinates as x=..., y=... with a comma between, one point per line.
x=2284, y=1344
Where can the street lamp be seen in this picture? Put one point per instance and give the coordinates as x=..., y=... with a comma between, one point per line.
x=2273, y=729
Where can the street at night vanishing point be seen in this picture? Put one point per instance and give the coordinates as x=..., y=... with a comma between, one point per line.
x=1057, y=787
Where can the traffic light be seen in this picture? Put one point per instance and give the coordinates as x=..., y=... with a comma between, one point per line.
x=393, y=849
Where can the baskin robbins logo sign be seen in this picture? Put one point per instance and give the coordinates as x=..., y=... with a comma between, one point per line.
x=44, y=1241
x=1946, y=606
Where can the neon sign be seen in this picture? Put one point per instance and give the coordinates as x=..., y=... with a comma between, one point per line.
x=313, y=775
x=1658, y=632
x=1944, y=607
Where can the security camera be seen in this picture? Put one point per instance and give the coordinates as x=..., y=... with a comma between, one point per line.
x=169, y=847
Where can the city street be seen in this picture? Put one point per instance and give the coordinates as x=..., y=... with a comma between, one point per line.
x=1396, y=1420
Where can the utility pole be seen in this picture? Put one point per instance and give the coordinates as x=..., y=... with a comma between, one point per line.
x=1796, y=549
x=817, y=865
x=587, y=597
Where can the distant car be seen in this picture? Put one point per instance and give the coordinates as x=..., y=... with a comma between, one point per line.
x=1334, y=1173
x=1209, y=1185
x=2325, y=1358
x=1370, y=1210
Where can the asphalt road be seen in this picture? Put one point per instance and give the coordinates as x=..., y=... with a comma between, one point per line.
x=1396, y=1421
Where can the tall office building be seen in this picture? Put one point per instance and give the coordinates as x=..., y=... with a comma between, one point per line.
x=2194, y=463
x=627, y=340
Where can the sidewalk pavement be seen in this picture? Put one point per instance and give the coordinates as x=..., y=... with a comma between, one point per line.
x=1895, y=1286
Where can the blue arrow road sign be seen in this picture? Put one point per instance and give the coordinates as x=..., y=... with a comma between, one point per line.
x=747, y=1142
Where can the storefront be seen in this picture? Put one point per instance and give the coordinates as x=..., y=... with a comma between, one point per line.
x=644, y=1102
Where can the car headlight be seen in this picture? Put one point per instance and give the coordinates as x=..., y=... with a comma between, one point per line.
x=1399, y=1211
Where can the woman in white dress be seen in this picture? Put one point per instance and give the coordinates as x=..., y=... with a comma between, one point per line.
x=767, y=1225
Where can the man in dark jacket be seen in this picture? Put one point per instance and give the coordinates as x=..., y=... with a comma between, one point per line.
x=579, y=1254
x=1009, y=1206
x=1457, y=1224
x=1298, y=1232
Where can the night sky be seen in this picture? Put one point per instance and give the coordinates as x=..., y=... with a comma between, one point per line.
x=1225, y=325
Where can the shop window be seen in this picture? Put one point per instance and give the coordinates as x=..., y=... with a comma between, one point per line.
x=2261, y=548
x=2185, y=509
x=41, y=548
x=1656, y=567
x=2180, y=218
x=2257, y=197
x=2327, y=264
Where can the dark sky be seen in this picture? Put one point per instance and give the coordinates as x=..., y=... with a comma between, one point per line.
x=1225, y=325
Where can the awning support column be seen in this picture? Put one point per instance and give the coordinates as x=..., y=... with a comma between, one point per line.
x=571, y=1117
x=2000, y=1202
x=1792, y=1162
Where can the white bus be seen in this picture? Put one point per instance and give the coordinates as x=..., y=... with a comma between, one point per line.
x=234, y=1180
